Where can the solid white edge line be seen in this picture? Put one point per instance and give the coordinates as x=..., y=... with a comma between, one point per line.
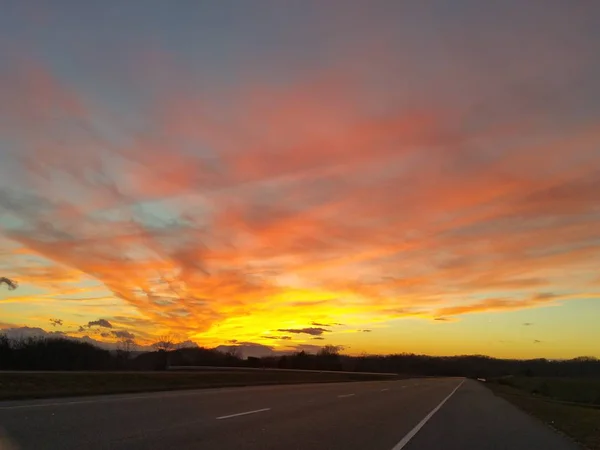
x=243, y=413
x=406, y=439
x=345, y=395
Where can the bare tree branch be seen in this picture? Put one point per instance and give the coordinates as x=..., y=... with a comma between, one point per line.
x=165, y=343
x=125, y=346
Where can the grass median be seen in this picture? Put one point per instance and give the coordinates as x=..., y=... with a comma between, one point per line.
x=567, y=404
x=20, y=385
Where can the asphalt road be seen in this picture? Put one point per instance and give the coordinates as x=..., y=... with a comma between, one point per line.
x=415, y=414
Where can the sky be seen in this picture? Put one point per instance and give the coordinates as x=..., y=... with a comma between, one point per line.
x=384, y=176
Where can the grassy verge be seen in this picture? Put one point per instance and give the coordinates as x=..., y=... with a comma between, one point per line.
x=576, y=390
x=582, y=423
x=62, y=384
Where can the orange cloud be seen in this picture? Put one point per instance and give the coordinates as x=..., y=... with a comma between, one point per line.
x=509, y=304
x=284, y=206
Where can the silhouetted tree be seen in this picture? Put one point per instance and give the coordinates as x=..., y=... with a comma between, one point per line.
x=233, y=353
x=253, y=361
x=165, y=343
x=283, y=363
x=329, y=351
x=124, y=347
x=53, y=354
x=328, y=358
x=5, y=352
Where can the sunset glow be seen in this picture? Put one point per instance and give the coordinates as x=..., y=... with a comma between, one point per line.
x=293, y=176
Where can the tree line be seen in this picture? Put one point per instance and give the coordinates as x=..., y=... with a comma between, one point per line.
x=45, y=353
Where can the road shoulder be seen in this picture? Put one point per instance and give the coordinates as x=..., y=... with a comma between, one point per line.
x=577, y=422
x=475, y=418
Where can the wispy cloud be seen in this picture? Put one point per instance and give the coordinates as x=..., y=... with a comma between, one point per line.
x=123, y=334
x=314, y=331
x=279, y=338
x=268, y=205
x=99, y=323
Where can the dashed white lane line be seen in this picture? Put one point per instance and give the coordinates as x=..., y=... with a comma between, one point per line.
x=406, y=439
x=386, y=389
x=345, y=395
x=243, y=413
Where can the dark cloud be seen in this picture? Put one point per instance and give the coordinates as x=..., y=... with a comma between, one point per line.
x=100, y=323
x=366, y=331
x=318, y=338
x=527, y=324
x=123, y=334
x=333, y=324
x=281, y=338
x=56, y=322
x=536, y=341
x=314, y=331
x=12, y=285
x=442, y=319
x=105, y=334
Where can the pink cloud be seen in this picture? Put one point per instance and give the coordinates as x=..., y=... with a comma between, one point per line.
x=198, y=218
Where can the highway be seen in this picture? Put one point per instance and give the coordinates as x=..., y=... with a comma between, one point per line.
x=414, y=414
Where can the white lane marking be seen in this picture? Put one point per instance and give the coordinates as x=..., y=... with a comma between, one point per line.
x=121, y=397
x=406, y=439
x=345, y=395
x=243, y=413
x=383, y=390
x=157, y=395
